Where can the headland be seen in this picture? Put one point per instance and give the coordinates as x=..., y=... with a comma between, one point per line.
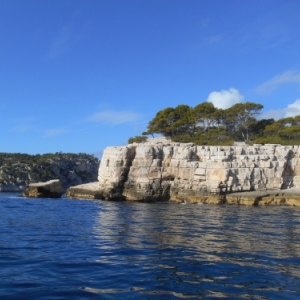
x=162, y=170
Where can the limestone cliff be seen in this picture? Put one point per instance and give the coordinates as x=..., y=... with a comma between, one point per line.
x=161, y=170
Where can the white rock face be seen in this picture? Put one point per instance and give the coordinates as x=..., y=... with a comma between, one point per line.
x=113, y=170
x=160, y=169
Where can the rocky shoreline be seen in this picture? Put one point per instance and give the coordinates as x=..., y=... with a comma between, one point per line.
x=161, y=170
x=84, y=191
x=287, y=197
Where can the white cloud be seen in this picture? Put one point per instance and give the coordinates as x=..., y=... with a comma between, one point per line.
x=114, y=117
x=293, y=109
x=284, y=78
x=55, y=132
x=272, y=114
x=225, y=98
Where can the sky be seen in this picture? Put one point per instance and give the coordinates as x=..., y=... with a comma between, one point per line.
x=83, y=75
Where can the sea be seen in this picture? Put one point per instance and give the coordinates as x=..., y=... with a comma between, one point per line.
x=93, y=249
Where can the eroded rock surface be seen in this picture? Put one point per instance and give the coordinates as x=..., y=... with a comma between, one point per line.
x=49, y=189
x=163, y=170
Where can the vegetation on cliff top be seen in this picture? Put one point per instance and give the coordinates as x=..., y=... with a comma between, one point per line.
x=205, y=124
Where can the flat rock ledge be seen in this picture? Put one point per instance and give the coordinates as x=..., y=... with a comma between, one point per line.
x=48, y=189
x=287, y=197
x=84, y=191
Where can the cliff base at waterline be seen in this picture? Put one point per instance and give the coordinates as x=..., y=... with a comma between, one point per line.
x=160, y=170
x=84, y=191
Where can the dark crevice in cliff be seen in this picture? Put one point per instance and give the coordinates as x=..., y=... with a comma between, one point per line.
x=288, y=172
x=126, y=171
x=257, y=200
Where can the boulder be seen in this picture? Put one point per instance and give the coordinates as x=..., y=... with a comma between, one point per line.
x=48, y=189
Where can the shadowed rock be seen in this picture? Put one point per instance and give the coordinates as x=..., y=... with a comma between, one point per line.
x=49, y=189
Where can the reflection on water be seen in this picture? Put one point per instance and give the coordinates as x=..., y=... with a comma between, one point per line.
x=86, y=249
x=219, y=250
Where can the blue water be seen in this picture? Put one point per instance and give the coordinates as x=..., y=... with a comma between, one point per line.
x=83, y=249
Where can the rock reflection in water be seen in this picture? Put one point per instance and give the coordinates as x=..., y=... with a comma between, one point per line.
x=203, y=250
x=85, y=249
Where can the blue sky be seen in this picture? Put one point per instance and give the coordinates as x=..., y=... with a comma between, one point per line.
x=82, y=75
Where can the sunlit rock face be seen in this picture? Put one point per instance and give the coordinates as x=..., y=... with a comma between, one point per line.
x=161, y=170
x=113, y=171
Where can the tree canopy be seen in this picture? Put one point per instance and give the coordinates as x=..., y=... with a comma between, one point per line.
x=205, y=124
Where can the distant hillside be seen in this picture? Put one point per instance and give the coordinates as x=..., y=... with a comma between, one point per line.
x=17, y=170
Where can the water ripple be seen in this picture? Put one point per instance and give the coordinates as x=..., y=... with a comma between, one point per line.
x=78, y=249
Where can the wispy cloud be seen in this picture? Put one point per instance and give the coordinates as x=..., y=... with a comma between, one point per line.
x=22, y=125
x=61, y=42
x=284, y=78
x=66, y=36
x=272, y=28
x=209, y=41
x=22, y=128
x=114, y=117
x=225, y=98
x=213, y=39
x=55, y=132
